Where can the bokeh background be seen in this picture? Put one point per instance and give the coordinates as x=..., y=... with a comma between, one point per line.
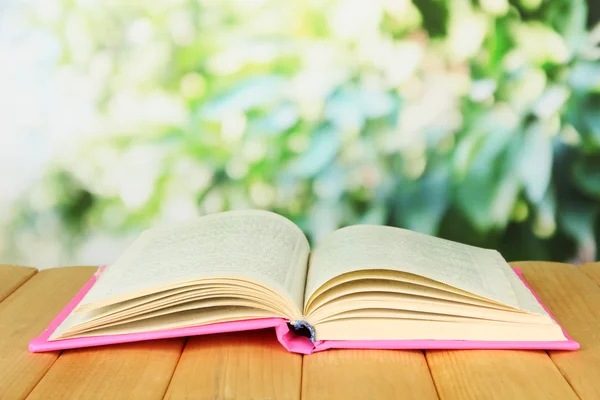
x=477, y=121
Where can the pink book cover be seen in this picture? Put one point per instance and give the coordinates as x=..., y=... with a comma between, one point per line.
x=287, y=338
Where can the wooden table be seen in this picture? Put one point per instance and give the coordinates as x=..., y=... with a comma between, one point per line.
x=255, y=366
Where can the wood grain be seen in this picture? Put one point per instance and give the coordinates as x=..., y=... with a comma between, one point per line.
x=505, y=374
x=366, y=374
x=245, y=365
x=254, y=365
x=13, y=276
x=498, y=374
x=23, y=316
x=592, y=270
x=128, y=371
x=574, y=300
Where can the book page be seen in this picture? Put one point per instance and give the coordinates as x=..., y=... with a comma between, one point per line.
x=418, y=329
x=525, y=297
x=368, y=247
x=257, y=245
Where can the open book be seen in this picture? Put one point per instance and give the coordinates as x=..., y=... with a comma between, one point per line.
x=363, y=286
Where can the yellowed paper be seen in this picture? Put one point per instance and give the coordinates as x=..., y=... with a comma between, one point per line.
x=258, y=245
x=369, y=247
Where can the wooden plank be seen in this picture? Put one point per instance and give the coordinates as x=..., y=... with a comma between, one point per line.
x=498, y=374
x=487, y=374
x=24, y=315
x=13, y=276
x=128, y=371
x=248, y=365
x=366, y=374
x=592, y=270
x=574, y=300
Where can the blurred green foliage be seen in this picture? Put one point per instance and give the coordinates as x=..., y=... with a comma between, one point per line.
x=477, y=121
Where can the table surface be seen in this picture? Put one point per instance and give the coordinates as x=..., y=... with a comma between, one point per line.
x=253, y=365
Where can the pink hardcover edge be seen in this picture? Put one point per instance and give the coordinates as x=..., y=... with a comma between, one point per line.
x=287, y=338
x=42, y=344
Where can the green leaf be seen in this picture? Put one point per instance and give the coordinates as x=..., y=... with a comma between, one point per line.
x=344, y=110
x=586, y=172
x=495, y=139
x=435, y=16
x=463, y=155
x=530, y=5
x=324, y=217
x=569, y=18
x=535, y=163
x=331, y=183
x=323, y=149
x=590, y=114
x=375, y=215
x=421, y=204
x=275, y=123
x=489, y=188
x=376, y=104
x=544, y=225
x=583, y=114
x=577, y=219
x=585, y=76
x=498, y=45
x=487, y=200
x=253, y=93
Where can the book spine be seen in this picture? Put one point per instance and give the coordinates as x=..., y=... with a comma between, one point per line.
x=303, y=328
x=295, y=340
